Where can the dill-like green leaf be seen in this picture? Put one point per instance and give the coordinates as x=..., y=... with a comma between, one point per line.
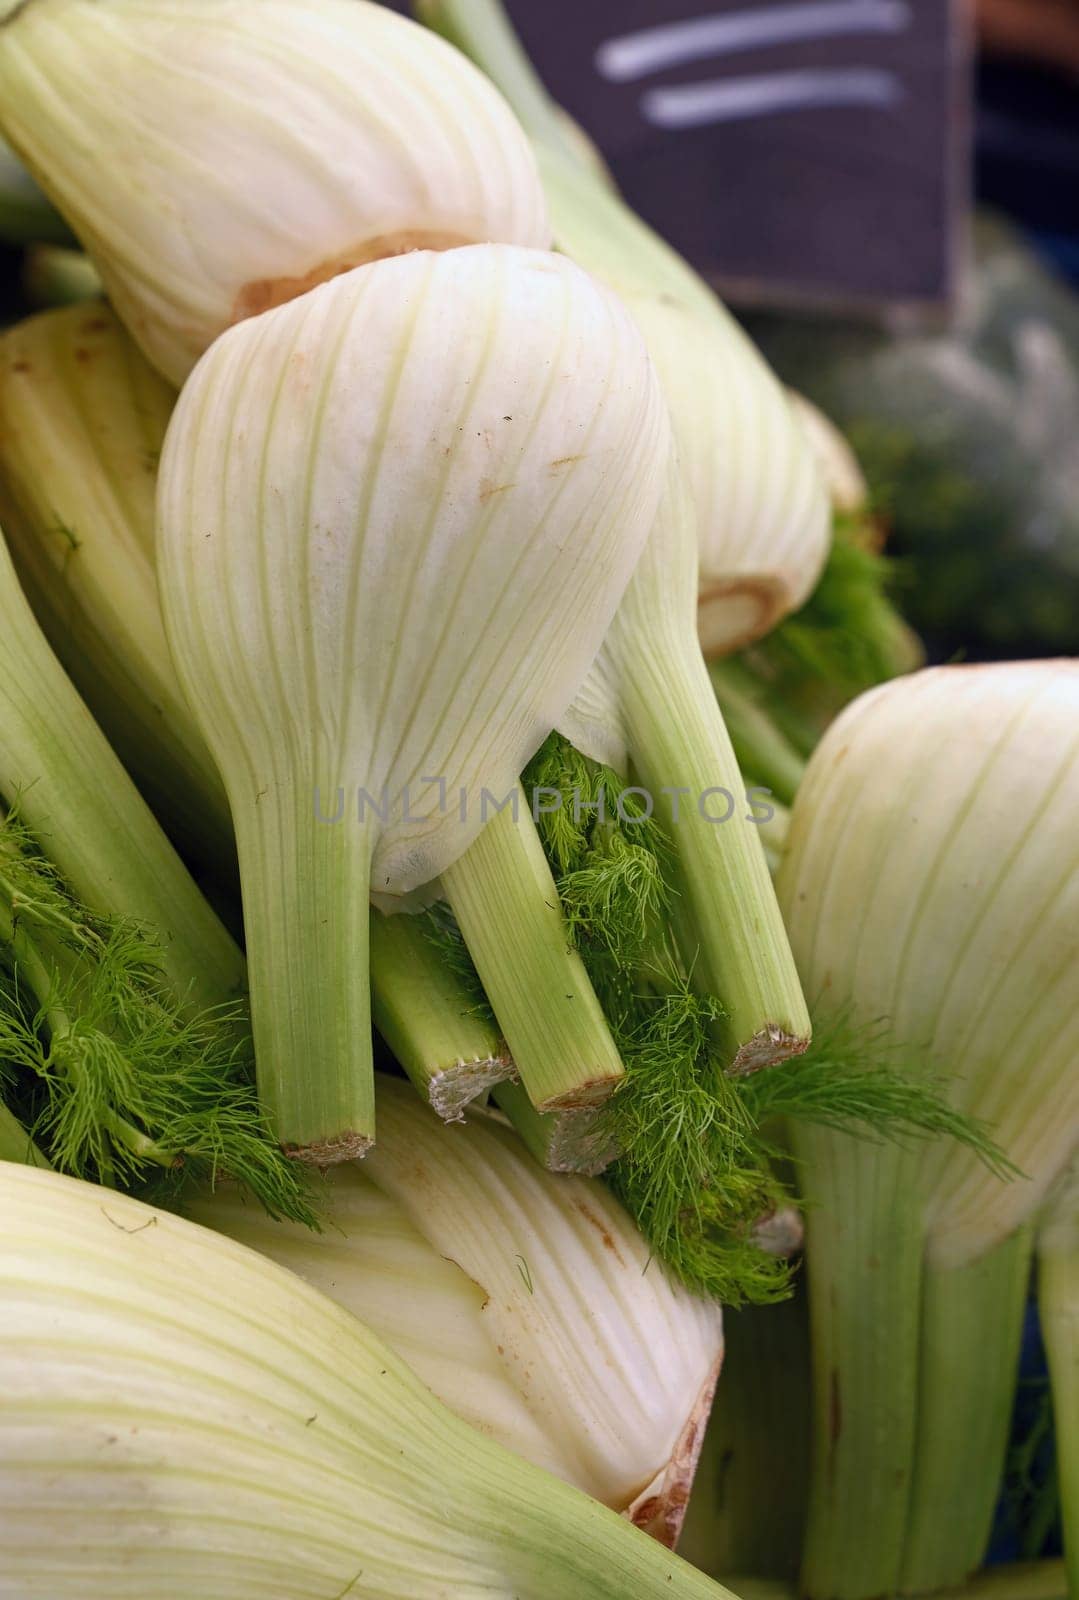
x=122, y=1084
x=858, y=1080
x=691, y=1175
x=439, y=926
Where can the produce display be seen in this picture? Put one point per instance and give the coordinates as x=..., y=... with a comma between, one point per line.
x=538, y=1039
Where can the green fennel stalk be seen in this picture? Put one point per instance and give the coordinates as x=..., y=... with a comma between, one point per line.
x=1058, y=1306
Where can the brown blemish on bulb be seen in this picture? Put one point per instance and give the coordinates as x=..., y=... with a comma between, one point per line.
x=21, y=366
x=264, y=294
x=604, y=1232
x=489, y=489
x=661, y=1509
x=565, y=461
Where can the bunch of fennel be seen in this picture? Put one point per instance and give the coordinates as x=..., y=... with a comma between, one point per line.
x=524, y=1301
x=83, y=418
x=475, y=436
x=931, y=886
x=181, y=1414
x=561, y=1045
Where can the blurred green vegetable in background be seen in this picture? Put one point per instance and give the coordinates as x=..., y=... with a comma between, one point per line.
x=968, y=440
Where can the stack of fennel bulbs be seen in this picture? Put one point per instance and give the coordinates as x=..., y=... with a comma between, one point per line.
x=413, y=117
x=266, y=684
x=409, y=491
x=182, y=1415
x=931, y=885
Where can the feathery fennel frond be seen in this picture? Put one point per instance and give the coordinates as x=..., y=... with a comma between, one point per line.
x=691, y=1173
x=859, y=1080
x=124, y=1086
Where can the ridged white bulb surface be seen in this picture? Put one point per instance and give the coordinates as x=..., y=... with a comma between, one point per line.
x=182, y=1416
x=396, y=518
x=217, y=157
x=525, y=1301
x=932, y=880
x=762, y=516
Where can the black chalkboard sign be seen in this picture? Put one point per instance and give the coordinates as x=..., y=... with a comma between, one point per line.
x=792, y=149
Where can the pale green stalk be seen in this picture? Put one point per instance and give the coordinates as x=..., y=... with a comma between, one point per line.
x=684, y=758
x=1058, y=1307
x=648, y=706
x=76, y=798
x=759, y=744
x=482, y=30
x=282, y=1447
x=504, y=897
x=54, y=275
x=972, y=1326
x=561, y=1141
x=864, y=1265
x=447, y=1043
x=747, y=1511
x=82, y=423
x=16, y=1144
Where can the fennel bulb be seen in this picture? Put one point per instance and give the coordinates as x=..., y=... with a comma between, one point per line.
x=931, y=880
x=183, y=1416
x=396, y=517
x=246, y=150
x=524, y=1301
x=762, y=514
x=843, y=477
x=83, y=417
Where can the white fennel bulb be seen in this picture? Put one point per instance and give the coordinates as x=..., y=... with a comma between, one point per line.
x=396, y=517
x=931, y=886
x=526, y=1302
x=246, y=150
x=183, y=1416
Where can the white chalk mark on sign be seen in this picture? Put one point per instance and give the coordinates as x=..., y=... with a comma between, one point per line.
x=674, y=44
x=696, y=105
